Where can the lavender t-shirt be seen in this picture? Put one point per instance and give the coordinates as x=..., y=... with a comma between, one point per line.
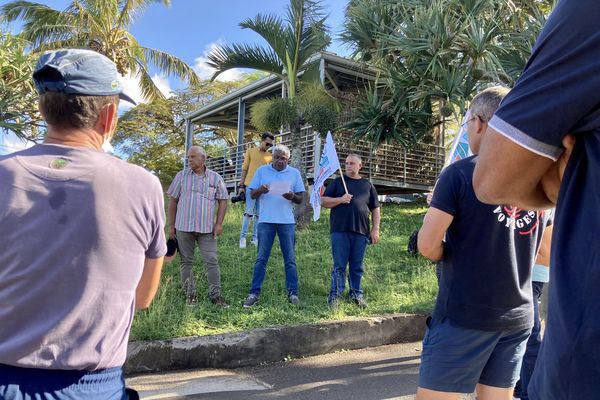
x=76, y=226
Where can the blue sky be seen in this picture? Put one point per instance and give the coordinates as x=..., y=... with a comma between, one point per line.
x=189, y=29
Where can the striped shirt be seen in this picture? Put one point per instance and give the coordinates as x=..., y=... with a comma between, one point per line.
x=197, y=195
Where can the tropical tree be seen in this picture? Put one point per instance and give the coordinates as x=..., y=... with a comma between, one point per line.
x=100, y=25
x=152, y=135
x=433, y=55
x=18, y=105
x=291, y=42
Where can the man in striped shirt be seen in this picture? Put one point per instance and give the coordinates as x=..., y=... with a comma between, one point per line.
x=195, y=194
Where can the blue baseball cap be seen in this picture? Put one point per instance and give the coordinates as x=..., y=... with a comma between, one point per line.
x=78, y=71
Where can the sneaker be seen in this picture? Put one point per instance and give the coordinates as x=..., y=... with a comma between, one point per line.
x=254, y=242
x=190, y=300
x=242, y=243
x=219, y=301
x=334, y=302
x=292, y=298
x=360, y=302
x=251, y=300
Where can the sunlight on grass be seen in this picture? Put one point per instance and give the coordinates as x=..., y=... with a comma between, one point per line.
x=393, y=282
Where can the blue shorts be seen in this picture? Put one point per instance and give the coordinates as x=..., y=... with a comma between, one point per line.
x=32, y=383
x=455, y=359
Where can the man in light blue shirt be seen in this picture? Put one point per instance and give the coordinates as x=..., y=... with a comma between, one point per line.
x=278, y=186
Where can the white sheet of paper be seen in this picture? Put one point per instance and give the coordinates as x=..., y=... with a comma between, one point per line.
x=279, y=187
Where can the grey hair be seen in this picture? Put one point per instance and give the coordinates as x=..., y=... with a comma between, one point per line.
x=355, y=156
x=485, y=104
x=281, y=148
x=198, y=149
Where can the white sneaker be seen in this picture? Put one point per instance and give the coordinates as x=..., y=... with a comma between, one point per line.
x=254, y=242
x=242, y=243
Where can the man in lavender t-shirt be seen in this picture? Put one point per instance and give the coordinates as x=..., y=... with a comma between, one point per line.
x=82, y=241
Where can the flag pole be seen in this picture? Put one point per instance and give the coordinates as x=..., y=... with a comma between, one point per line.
x=343, y=180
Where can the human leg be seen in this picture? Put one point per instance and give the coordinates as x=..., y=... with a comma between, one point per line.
x=340, y=251
x=287, y=242
x=533, y=345
x=186, y=242
x=266, y=236
x=208, y=249
x=501, y=371
x=255, y=220
x=454, y=358
x=358, y=246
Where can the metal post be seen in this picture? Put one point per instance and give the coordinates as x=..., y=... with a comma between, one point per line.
x=240, y=140
x=189, y=139
x=317, y=154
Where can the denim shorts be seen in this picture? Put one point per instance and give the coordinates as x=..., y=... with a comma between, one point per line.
x=455, y=359
x=32, y=383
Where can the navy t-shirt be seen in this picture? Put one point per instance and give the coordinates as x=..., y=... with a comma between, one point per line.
x=489, y=251
x=352, y=217
x=558, y=94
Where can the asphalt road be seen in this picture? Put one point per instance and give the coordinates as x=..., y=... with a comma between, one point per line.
x=386, y=372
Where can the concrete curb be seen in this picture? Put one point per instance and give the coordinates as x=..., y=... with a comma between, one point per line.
x=271, y=344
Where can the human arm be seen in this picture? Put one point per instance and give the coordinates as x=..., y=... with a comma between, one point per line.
x=376, y=217
x=543, y=257
x=242, y=186
x=295, y=198
x=256, y=193
x=430, y=241
x=507, y=173
x=331, y=202
x=148, y=284
x=221, y=209
x=171, y=214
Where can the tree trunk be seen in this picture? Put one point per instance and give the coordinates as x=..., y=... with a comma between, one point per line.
x=302, y=211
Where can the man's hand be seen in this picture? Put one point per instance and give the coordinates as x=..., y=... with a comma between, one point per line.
x=241, y=190
x=217, y=230
x=374, y=236
x=171, y=232
x=346, y=199
x=553, y=177
x=263, y=189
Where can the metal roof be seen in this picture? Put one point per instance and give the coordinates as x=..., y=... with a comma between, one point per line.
x=223, y=111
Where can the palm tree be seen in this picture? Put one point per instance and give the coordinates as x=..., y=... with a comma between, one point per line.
x=433, y=56
x=291, y=42
x=100, y=25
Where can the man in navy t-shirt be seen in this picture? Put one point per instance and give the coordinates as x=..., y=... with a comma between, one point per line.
x=349, y=229
x=556, y=100
x=483, y=315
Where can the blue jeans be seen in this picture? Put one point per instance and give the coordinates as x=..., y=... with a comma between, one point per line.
x=32, y=383
x=250, y=213
x=347, y=248
x=287, y=240
x=533, y=344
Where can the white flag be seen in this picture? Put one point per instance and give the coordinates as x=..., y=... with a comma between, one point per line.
x=328, y=165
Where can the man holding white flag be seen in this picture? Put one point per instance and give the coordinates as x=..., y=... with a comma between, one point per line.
x=328, y=165
x=351, y=201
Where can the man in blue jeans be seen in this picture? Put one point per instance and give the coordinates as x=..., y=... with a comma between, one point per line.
x=349, y=229
x=279, y=186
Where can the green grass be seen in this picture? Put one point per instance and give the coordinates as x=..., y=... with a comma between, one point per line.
x=393, y=282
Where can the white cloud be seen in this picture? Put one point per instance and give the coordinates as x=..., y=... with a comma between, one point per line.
x=131, y=86
x=206, y=72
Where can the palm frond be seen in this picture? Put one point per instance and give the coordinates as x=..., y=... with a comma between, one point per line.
x=131, y=9
x=270, y=28
x=149, y=89
x=170, y=65
x=244, y=56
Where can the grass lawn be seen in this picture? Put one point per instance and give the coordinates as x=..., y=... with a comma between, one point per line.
x=393, y=281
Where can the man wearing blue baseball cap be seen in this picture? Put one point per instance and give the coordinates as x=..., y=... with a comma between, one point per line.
x=82, y=240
